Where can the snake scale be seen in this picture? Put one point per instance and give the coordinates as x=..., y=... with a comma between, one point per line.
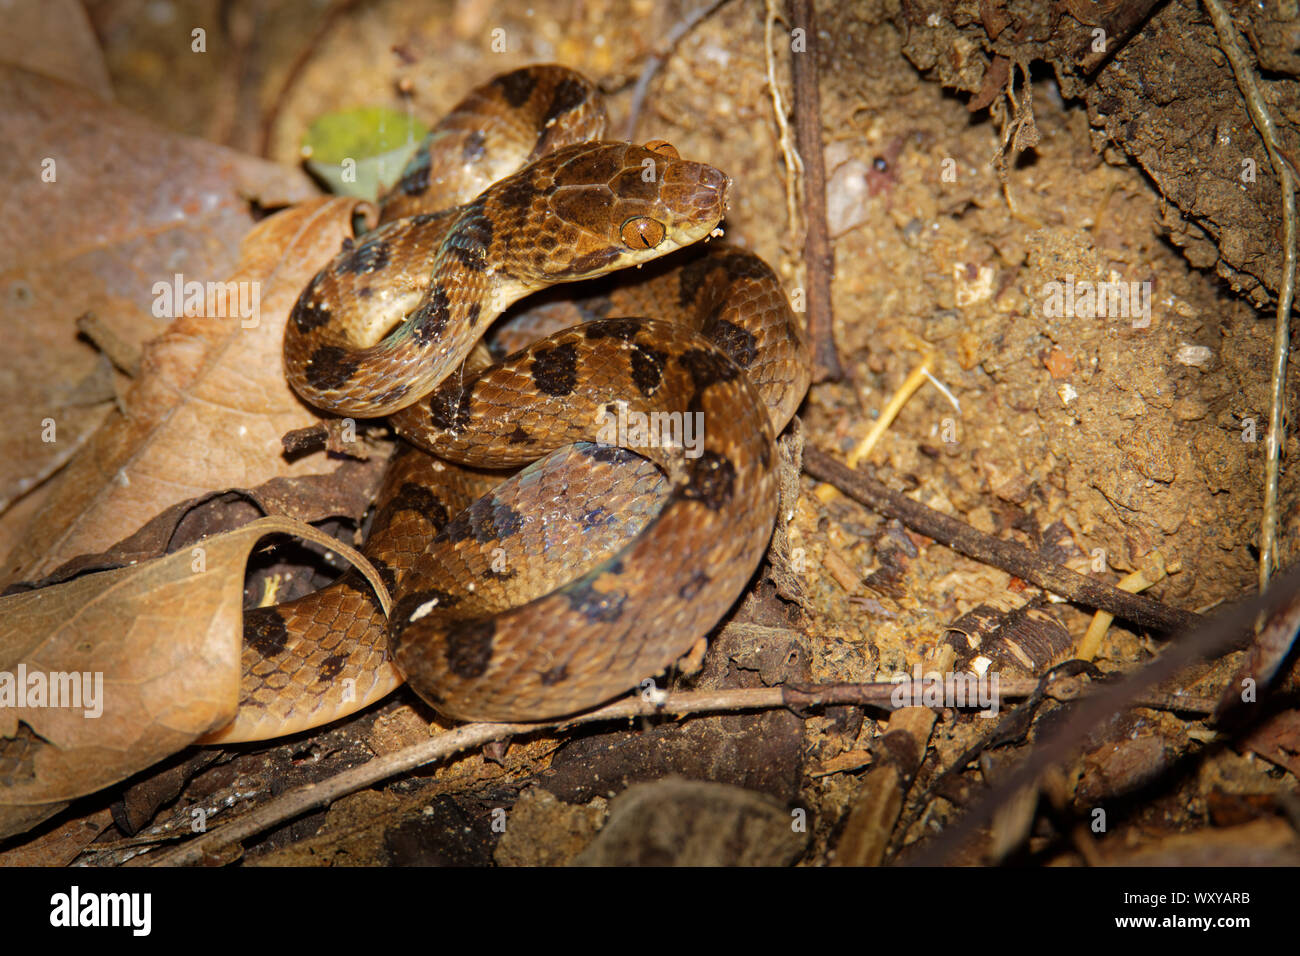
x=644, y=413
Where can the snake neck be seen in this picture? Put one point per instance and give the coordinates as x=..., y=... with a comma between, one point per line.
x=466, y=290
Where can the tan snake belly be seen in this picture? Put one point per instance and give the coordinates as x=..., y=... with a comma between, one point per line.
x=648, y=431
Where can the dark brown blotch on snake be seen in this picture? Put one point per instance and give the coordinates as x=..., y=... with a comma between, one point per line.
x=739, y=344
x=370, y=256
x=415, y=178
x=430, y=320
x=331, y=367
x=485, y=520
x=555, y=370
x=469, y=648
x=556, y=675
x=712, y=480
x=449, y=407
x=624, y=329
x=331, y=667
x=517, y=87
x=264, y=631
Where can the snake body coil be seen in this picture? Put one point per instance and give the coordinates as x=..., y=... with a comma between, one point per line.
x=647, y=430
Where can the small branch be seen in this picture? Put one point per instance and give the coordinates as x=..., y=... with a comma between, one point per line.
x=1007, y=555
x=655, y=62
x=124, y=356
x=798, y=698
x=1263, y=120
x=818, y=258
x=879, y=800
x=336, y=435
x=299, y=801
x=793, y=164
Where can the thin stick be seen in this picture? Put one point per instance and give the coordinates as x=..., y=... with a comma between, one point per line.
x=299, y=801
x=818, y=258
x=124, y=356
x=1007, y=555
x=655, y=61
x=799, y=698
x=1263, y=120
x=1090, y=644
x=793, y=164
x=890, y=412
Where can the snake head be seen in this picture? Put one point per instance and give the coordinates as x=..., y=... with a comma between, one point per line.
x=589, y=209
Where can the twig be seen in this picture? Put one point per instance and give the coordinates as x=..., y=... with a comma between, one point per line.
x=799, y=698
x=124, y=356
x=311, y=796
x=337, y=435
x=1263, y=120
x=818, y=259
x=1210, y=638
x=655, y=61
x=1007, y=555
x=887, y=415
x=876, y=807
x=793, y=164
x=1139, y=580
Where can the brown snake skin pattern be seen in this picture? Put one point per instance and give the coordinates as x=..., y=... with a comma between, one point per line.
x=645, y=410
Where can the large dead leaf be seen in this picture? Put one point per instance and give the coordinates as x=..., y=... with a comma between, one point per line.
x=98, y=206
x=164, y=639
x=206, y=413
x=54, y=37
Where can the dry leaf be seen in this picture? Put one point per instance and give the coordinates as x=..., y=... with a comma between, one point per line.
x=61, y=845
x=206, y=414
x=157, y=648
x=98, y=206
x=54, y=37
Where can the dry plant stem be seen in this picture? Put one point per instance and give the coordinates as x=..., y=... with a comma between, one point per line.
x=1263, y=120
x=1100, y=623
x=124, y=356
x=914, y=381
x=797, y=698
x=1007, y=555
x=1121, y=22
x=793, y=164
x=1212, y=637
x=820, y=263
x=654, y=63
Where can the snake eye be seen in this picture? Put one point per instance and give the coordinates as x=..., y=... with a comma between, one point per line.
x=663, y=148
x=642, y=232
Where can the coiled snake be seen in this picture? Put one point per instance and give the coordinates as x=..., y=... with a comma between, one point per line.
x=651, y=492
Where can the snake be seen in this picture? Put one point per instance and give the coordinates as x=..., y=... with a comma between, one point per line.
x=584, y=487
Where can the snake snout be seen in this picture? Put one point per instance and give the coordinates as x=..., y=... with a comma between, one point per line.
x=697, y=191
